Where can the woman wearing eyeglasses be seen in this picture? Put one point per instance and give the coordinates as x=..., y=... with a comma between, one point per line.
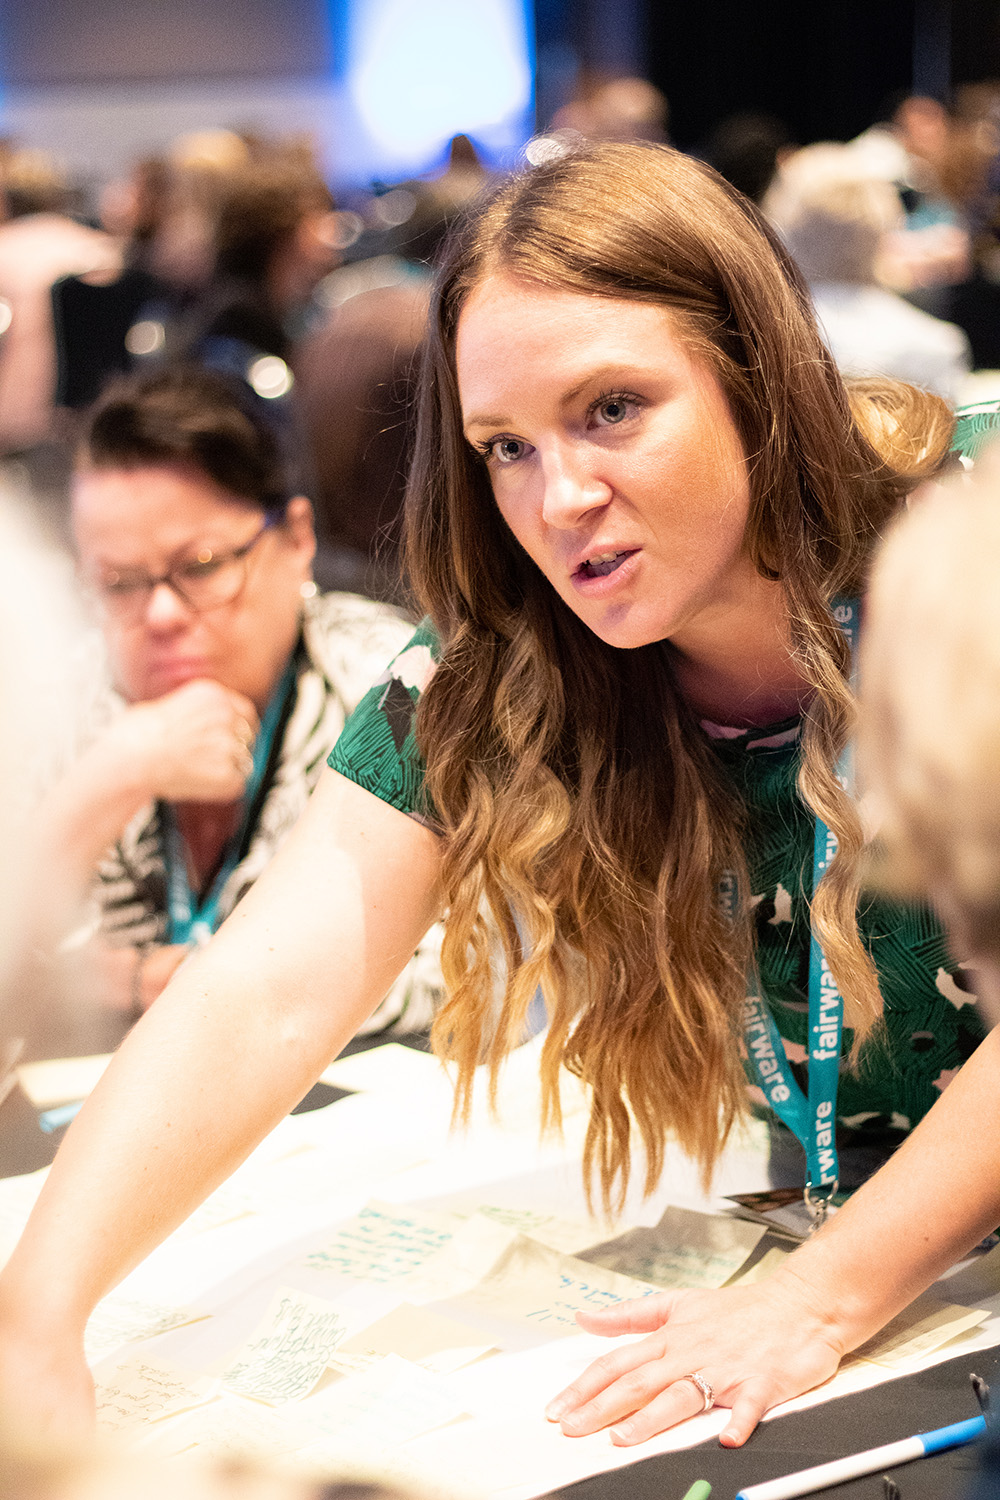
x=236, y=677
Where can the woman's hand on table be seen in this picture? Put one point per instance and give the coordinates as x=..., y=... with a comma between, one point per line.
x=755, y=1346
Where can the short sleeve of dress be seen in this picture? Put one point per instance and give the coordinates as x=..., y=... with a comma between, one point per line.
x=377, y=748
x=975, y=428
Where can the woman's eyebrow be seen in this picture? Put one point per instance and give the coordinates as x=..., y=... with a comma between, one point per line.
x=620, y=370
x=485, y=421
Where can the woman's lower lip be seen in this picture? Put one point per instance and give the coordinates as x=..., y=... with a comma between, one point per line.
x=178, y=672
x=603, y=584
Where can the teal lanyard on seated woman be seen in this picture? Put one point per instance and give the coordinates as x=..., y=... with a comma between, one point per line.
x=812, y=1118
x=192, y=921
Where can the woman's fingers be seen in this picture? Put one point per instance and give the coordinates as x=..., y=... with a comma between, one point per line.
x=754, y=1345
x=680, y=1400
x=600, y=1375
x=641, y=1315
x=754, y=1398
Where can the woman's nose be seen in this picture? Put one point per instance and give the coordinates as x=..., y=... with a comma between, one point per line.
x=165, y=609
x=571, y=489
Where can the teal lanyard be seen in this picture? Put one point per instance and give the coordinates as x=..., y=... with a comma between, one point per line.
x=813, y=1119
x=190, y=921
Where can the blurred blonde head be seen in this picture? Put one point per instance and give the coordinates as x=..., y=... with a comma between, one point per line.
x=930, y=672
x=832, y=214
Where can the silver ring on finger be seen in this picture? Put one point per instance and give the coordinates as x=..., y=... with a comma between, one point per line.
x=705, y=1389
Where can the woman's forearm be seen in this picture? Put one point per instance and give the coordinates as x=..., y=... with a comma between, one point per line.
x=233, y=1043
x=936, y=1198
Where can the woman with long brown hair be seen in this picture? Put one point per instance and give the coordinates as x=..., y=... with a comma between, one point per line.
x=641, y=515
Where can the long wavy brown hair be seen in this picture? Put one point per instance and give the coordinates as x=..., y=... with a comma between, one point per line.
x=587, y=826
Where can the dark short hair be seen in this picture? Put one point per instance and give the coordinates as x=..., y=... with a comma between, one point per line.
x=190, y=416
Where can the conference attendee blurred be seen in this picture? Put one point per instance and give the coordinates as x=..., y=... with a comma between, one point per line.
x=270, y=244
x=39, y=244
x=361, y=364
x=233, y=680
x=747, y=149
x=834, y=221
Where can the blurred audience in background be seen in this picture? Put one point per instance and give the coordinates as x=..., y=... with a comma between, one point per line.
x=747, y=149
x=359, y=362
x=835, y=221
x=615, y=109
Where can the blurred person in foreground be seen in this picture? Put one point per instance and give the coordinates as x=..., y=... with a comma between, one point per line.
x=38, y=625
x=97, y=1472
x=834, y=220
x=233, y=680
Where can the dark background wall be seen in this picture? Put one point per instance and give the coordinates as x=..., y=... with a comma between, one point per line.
x=828, y=68
x=825, y=69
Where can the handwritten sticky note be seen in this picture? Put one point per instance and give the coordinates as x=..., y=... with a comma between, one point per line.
x=388, y=1404
x=925, y=1325
x=419, y=1335
x=382, y=1244
x=569, y=1236
x=140, y=1391
x=685, y=1249
x=284, y=1357
x=122, y=1320
x=532, y=1295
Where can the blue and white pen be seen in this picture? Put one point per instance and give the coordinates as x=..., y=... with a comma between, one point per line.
x=807, y=1481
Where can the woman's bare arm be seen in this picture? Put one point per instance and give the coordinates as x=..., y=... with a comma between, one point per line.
x=237, y=1038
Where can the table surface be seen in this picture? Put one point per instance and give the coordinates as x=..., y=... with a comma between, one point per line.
x=883, y=1414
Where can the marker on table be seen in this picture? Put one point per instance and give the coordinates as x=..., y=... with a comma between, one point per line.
x=700, y=1490
x=807, y=1481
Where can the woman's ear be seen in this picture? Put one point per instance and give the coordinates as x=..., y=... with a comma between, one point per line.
x=300, y=529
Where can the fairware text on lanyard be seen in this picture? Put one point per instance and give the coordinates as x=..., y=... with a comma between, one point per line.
x=814, y=1118
x=193, y=922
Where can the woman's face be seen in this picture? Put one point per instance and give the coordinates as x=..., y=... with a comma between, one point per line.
x=613, y=457
x=149, y=520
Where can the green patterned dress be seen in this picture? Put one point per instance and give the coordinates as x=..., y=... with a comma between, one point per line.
x=930, y=1021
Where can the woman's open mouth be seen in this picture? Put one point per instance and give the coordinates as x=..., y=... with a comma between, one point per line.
x=602, y=564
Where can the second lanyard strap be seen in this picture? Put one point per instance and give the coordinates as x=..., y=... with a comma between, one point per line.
x=191, y=921
x=812, y=1119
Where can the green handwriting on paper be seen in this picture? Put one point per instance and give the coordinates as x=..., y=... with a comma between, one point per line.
x=573, y=1295
x=285, y=1356
x=532, y=1294
x=381, y=1244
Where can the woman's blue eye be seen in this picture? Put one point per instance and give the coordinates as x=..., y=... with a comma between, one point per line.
x=614, y=409
x=508, y=450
